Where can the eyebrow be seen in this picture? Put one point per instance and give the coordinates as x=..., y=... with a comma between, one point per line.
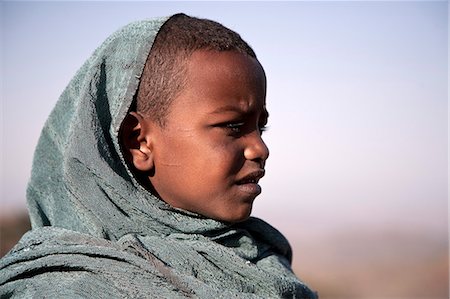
x=230, y=108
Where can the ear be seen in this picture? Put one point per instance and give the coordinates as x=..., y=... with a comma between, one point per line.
x=137, y=142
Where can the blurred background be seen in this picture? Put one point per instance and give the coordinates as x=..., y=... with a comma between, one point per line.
x=357, y=93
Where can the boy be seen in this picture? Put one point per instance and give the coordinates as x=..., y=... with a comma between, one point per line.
x=146, y=171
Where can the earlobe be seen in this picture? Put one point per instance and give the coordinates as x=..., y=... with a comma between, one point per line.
x=137, y=142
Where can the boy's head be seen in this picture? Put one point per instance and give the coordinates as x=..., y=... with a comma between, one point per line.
x=164, y=73
x=195, y=137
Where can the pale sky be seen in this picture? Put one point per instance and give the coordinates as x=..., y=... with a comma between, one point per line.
x=357, y=95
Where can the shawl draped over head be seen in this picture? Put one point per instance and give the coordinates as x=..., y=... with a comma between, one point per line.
x=98, y=233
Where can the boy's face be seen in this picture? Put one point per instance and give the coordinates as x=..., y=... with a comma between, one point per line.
x=210, y=155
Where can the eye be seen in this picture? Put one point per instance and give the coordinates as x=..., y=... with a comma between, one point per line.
x=235, y=128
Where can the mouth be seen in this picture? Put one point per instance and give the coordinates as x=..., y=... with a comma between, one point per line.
x=252, y=177
x=249, y=183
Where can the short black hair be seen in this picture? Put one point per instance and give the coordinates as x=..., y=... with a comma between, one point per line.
x=165, y=70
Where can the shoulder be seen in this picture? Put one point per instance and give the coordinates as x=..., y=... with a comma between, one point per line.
x=53, y=262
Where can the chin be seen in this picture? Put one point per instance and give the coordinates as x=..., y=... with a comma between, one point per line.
x=243, y=215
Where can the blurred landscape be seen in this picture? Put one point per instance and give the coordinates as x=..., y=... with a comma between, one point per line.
x=374, y=265
x=13, y=224
x=361, y=264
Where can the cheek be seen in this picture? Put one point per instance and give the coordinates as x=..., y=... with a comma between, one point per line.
x=200, y=157
x=211, y=157
x=228, y=156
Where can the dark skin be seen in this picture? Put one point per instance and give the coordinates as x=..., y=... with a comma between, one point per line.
x=209, y=156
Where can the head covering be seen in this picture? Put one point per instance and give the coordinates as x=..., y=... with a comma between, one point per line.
x=97, y=232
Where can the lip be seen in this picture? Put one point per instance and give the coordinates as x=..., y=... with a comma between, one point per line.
x=251, y=178
x=249, y=182
x=250, y=188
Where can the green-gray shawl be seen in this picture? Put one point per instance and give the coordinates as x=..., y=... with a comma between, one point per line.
x=98, y=233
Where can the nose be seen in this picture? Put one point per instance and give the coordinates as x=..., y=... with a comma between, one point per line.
x=256, y=149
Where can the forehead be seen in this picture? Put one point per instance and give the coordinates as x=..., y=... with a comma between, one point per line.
x=212, y=65
x=224, y=78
